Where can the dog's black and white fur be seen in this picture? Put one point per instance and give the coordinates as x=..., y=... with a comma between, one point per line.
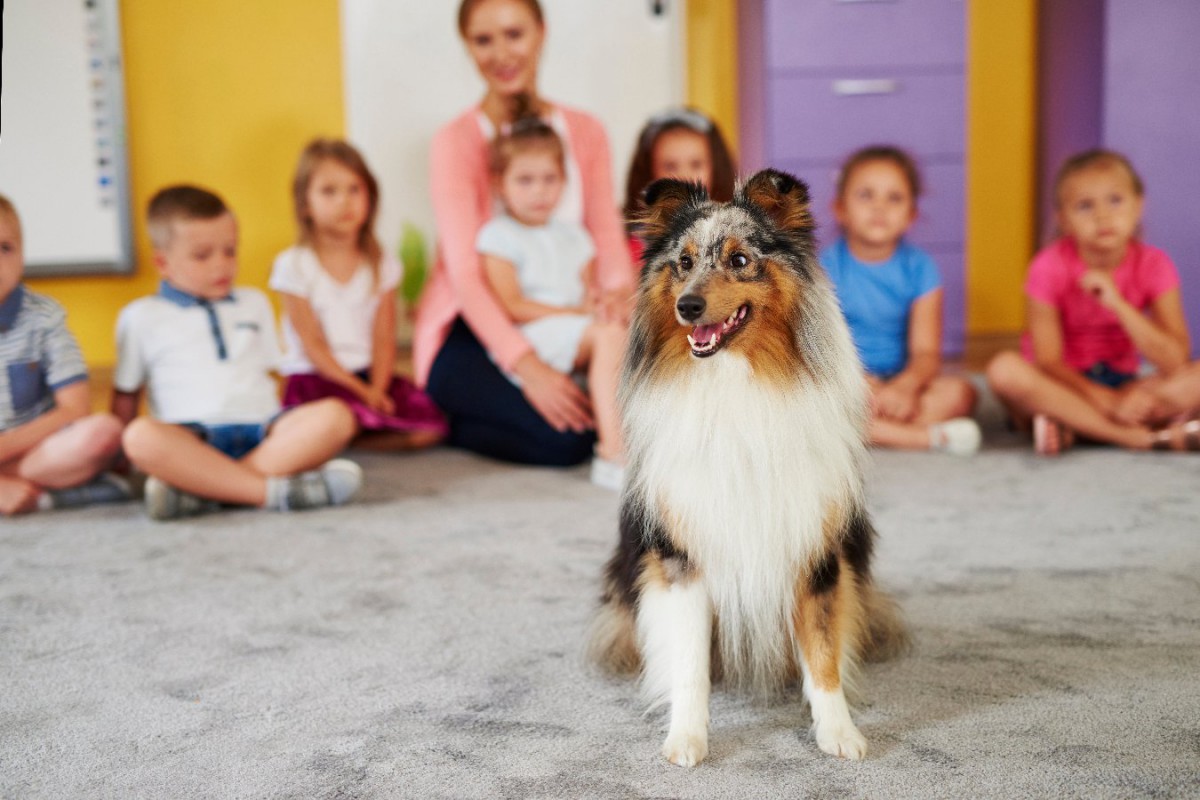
x=745, y=544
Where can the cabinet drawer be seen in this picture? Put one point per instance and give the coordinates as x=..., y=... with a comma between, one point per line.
x=817, y=34
x=821, y=119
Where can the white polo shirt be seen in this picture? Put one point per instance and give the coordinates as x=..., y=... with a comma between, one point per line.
x=202, y=361
x=346, y=311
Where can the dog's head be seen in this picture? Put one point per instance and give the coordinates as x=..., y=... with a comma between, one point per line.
x=727, y=277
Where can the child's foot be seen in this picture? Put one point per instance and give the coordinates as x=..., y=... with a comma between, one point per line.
x=335, y=483
x=1182, y=435
x=608, y=474
x=107, y=487
x=1049, y=437
x=958, y=437
x=164, y=501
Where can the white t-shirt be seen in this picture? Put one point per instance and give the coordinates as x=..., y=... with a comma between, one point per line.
x=346, y=311
x=197, y=371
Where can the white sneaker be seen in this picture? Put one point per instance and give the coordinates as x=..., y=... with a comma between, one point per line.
x=608, y=474
x=335, y=483
x=958, y=437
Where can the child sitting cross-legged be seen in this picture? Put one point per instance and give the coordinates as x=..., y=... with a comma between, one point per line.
x=205, y=351
x=52, y=450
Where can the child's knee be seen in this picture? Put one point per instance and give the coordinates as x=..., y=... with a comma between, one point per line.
x=337, y=419
x=142, y=440
x=100, y=438
x=1008, y=372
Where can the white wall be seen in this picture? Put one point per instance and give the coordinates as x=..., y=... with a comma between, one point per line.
x=407, y=73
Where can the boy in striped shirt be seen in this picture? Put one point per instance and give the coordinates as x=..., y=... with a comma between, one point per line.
x=52, y=450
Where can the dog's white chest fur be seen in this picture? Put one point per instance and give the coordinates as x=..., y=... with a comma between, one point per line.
x=746, y=472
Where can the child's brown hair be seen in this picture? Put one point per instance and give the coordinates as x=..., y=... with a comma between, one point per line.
x=641, y=168
x=1097, y=158
x=881, y=152
x=528, y=133
x=345, y=154
x=180, y=202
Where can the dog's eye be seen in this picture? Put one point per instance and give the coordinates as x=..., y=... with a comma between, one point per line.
x=738, y=260
x=685, y=263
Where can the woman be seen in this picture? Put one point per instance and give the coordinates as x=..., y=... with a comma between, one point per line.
x=463, y=337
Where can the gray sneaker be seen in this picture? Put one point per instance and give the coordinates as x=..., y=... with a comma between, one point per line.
x=164, y=501
x=335, y=483
x=106, y=487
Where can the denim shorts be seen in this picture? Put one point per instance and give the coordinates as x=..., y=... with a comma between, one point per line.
x=1103, y=374
x=235, y=439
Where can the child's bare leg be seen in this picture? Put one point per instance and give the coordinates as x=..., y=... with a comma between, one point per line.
x=607, y=349
x=74, y=454
x=1028, y=390
x=17, y=495
x=946, y=397
x=303, y=439
x=177, y=456
x=1180, y=392
x=900, y=435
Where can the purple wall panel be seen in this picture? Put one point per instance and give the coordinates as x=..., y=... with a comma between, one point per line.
x=820, y=34
x=1152, y=115
x=1071, y=96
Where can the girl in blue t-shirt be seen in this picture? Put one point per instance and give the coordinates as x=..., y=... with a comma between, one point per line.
x=891, y=294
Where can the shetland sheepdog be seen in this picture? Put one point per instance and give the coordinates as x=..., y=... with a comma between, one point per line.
x=745, y=544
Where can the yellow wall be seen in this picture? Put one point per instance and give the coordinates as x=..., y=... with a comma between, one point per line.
x=711, y=37
x=222, y=93
x=1001, y=160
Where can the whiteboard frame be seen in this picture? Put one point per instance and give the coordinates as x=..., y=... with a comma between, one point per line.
x=107, y=11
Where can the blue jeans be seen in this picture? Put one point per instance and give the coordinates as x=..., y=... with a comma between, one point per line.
x=490, y=416
x=234, y=440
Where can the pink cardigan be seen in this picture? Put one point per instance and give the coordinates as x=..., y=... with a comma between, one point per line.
x=462, y=203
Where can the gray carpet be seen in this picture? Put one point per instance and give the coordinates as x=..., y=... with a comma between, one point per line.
x=426, y=643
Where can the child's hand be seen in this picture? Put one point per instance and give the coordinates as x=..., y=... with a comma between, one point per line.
x=615, y=305
x=1139, y=406
x=896, y=401
x=17, y=496
x=379, y=400
x=1101, y=286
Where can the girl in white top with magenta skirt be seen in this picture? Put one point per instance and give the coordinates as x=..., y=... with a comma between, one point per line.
x=339, y=319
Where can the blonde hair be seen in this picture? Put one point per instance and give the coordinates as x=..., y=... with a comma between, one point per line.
x=528, y=133
x=180, y=202
x=341, y=152
x=1098, y=158
x=8, y=210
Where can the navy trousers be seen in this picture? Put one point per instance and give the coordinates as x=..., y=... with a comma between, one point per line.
x=489, y=415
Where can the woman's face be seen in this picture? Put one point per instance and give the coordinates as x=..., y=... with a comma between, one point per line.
x=505, y=40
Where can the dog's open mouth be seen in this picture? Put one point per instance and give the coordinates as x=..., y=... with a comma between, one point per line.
x=708, y=339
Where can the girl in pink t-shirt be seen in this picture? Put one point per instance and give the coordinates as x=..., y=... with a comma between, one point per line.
x=1099, y=302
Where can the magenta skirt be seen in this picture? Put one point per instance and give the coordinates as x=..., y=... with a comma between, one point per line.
x=414, y=410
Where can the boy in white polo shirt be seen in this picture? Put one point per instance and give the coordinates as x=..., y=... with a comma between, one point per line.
x=51, y=447
x=205, y=351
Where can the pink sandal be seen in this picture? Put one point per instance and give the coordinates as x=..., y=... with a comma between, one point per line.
x=1181, y=436
x=1050, y=438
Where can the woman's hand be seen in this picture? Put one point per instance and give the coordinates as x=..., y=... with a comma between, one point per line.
x=613, y=305
x=555, y=396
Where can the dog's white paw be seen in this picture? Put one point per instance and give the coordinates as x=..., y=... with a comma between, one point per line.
x=843, y=741
x=685, y=750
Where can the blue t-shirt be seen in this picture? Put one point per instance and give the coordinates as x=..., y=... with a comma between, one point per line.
x=877, y=299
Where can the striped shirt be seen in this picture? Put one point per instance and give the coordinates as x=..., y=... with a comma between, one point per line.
x=39, y=356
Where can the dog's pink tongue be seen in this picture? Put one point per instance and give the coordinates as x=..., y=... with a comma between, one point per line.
x=701, y=334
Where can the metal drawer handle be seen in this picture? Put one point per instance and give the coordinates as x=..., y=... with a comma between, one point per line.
x=855, y=86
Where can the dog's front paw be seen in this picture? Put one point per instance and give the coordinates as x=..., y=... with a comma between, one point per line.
x=843, y=741
x=685, y=750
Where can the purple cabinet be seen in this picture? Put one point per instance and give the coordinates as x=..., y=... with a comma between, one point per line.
x=821, y=78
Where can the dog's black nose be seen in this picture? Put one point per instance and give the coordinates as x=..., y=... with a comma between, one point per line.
x=690, y=306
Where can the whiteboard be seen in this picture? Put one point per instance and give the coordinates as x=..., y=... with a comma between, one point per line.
x=62, y=135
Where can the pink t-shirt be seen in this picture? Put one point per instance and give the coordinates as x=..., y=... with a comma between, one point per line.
x=1092, y=333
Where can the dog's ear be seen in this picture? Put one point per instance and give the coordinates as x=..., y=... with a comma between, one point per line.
x=781, y=197
x=662, y=201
